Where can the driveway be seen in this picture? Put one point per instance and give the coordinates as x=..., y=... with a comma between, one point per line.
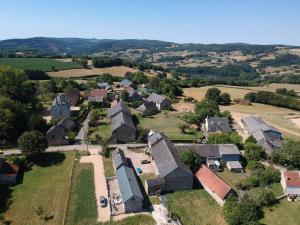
x=99, y=180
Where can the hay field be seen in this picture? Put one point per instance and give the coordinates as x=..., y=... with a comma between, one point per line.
x=236, y=91
x=119, y=71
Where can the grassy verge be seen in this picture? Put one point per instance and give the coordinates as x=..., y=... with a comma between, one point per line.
x=108, y=167
x=46, y=186
x=195, y=207
x=82, y=207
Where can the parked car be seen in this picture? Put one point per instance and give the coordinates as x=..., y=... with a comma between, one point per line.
x=1, y=152
x=139, y=170
x=145, y=161
x=103, y=201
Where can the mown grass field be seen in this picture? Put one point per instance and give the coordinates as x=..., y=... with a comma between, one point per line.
x=46, y=185
x=195, y=207
x=232, y=178
x=82, y=208
x=284, y=212
x=168, y=123
x=43, y=64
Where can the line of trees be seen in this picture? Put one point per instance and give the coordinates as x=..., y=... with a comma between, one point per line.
x=270, y=98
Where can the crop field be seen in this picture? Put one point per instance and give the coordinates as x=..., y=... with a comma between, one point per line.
x=46, y=185
x=118, y=71
x=43, y=64
x=236, y=91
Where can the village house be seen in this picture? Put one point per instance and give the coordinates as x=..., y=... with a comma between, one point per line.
x=74, y=95
x=61, y=107
x=290, y=182
x=8, y=173
x=213, y=184
x=160, y=101
x=123, y=128
x=176, y=175
x=147, y=109
x=266, y=136
x=133, y=95
x=132, y=197
x=217, y=124
x=104, y=85
x=56, y=135
x=125, y=83
x=213, y=153
x=97, y=95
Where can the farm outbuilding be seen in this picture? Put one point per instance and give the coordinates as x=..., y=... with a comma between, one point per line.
x=175, y=174
x=154, y=186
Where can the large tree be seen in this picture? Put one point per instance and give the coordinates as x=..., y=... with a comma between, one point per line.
x=213, y=94
x=32, y=143
x=191, y=159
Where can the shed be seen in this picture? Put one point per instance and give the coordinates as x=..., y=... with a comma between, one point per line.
x=118, y=158
x=234, y=166
x=154, y=186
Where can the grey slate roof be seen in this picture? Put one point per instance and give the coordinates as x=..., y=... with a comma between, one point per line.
x=234, y=165
x=119, y=158
x=61, y=99
x=125, y=83
x=121, y=119
x=121, y=106
x=215, y=124
x=156, y=98
x=267, y=136
x=128, y=184
x=211, y=151
x=256, y=123
x=165, y=155
x=66, y=123
x=147, y=106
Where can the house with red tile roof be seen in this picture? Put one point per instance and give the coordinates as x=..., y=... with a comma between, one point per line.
x=213, y=184
x=74, y=95
x=290, y=182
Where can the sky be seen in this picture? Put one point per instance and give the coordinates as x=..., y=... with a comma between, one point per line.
x=181, y=21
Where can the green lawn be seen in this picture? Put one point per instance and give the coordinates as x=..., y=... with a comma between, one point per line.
x=108, y=167
x=43, y=64
x=232, y=178
x=284, y=212
x=82, y=207
x=195, y=207
x=134, y=220
x=46, y=185
x=168, y=123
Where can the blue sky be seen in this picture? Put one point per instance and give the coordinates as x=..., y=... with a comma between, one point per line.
x=183, y=21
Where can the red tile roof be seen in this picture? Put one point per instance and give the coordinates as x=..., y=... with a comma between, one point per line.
x=98, y=93
x=8, y=169
x=214, y=183
x=292, y=179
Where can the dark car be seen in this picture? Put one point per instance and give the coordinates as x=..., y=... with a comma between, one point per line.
x=145, y=161
x=103, y=201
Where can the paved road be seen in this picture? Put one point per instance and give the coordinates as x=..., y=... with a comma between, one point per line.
x=84, y=129
x=99, y=180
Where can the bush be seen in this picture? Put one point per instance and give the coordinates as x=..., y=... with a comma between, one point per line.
x=253, y=152
x=190, y=159
x=265, y=198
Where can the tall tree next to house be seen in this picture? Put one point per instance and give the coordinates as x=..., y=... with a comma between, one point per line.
x=32, y=143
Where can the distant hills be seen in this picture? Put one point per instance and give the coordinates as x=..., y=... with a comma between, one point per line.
x=45, y=45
